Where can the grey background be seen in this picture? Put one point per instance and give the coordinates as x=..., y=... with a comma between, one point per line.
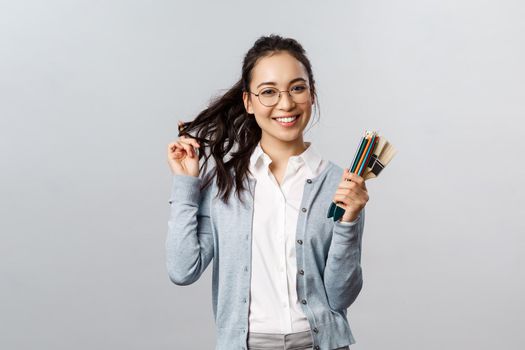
x=90, y=96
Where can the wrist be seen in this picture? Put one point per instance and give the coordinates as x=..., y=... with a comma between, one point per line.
x=350, y=216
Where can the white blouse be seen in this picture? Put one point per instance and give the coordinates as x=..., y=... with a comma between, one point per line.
x=274, y=306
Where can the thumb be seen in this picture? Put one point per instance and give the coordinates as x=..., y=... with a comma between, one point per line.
x=346, y=175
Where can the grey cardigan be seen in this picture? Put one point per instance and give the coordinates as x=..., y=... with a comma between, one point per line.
x=202, y=227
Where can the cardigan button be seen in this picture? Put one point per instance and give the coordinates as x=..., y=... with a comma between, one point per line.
x=309, y=181
x=304, y=210
x=315, y=330
x=303, y=301
x=317, y=347
x=299, y=241
x=301, y=272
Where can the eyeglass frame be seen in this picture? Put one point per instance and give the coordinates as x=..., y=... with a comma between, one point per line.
x=279, y=97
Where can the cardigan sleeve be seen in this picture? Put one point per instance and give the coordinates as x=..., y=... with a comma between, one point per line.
x=343, y=277
x=189, y=242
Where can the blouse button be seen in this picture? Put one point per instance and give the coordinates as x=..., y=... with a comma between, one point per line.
x=303, y=301
x=309, y=181
x=304, y=210
x=301, y=272
x=317, y=347
x=299, y=241
x=315, y=330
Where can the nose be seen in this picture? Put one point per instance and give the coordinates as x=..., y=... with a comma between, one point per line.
x=285, y=101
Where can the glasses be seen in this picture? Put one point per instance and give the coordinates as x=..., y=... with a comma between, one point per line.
x=270, y=96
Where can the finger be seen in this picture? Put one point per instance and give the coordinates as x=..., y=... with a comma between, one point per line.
x=350, y=192
x=177, y=150
x=348, y=176
x=348, y=184
x=353, y=185
x=188, y=148
x=345, y=174
x=359, y=197
x=182, y=146
x=178, y=155
x=172, y=146
x=190, y=140
x=354, y=190
x=350, y=201
x=345, y=201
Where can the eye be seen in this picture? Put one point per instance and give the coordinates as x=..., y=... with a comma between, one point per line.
x=298, y=88
x=268, y=92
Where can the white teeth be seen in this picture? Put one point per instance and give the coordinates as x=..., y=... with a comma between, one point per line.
x=286, y=120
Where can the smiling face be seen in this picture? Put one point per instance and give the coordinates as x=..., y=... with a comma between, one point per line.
x=283, y=72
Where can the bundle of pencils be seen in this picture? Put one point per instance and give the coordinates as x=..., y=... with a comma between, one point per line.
x=373, y=154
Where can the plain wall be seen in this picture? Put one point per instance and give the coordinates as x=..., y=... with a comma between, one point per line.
x=90, y=96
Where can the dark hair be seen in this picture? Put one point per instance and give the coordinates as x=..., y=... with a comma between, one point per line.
x=225, y=122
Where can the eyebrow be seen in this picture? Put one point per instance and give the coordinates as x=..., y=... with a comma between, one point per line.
x=273, y=83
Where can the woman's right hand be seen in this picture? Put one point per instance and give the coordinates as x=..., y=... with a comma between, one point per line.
x=182, y=157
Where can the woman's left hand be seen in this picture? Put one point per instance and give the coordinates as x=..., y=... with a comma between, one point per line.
x=353, y=195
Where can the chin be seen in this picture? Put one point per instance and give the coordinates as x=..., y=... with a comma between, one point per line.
x=290, y=137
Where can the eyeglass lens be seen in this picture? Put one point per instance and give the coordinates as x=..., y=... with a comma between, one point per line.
x=270, y=96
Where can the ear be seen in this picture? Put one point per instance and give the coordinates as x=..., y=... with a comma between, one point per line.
x=247, y=102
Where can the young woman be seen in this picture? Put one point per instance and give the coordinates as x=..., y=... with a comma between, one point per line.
x=283, y=273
